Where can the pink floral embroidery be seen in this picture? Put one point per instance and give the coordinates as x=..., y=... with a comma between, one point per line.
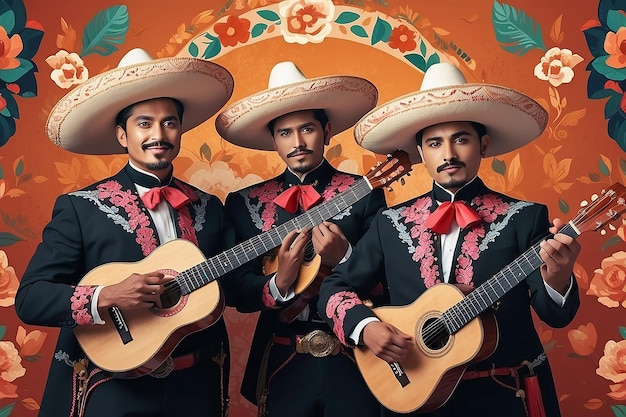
x=266, y=193
x=137, y=219
x=337, y=308
x=267, y=298
x=338, y=184
x=490, y=206
x=80, y=299
x=417, y=213
x=186, y=225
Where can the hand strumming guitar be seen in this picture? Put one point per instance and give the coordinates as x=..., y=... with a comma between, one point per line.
x=559, y=255
x=135, y=292
x=386, y=341
x=290, y=257
x=330, y=243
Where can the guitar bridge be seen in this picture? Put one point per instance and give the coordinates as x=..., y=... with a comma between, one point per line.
x=120, y=325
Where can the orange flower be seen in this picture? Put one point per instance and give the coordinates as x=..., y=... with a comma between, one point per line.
x=583, y=339
x=612, y=365
x=233, y=31
x=556, y=66
x=402, y=38
x=10, y=362
x=30, y=343
x=68, y=69
x=306, y=20
x=9, y=49
x=618, y=392
x=615, y=46
x=7, y=390
x=621, y=231
x=8, y=282
x=609, y=281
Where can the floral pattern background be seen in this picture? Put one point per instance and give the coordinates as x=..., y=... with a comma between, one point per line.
x=570, y=59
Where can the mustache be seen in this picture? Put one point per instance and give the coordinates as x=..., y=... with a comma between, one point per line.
x=159, y=143
x=451, y=163
x=297, y=151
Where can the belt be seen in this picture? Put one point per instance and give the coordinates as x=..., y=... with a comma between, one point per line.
x=174, y=364
x=317, y=343
x=505, y=371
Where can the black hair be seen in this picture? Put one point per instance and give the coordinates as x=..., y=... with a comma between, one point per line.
x=123, y=116
x=318, y=114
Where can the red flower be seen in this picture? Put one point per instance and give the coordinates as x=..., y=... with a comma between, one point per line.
x=402, y=38
x=235, y=30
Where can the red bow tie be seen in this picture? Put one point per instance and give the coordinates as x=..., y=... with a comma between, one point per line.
x=172, y=195
x=440, y=220
x=304, y=196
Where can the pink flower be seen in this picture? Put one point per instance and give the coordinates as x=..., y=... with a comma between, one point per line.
x=556, y=66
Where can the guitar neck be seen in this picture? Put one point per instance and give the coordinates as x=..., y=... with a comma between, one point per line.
x=219, y=265
x=477, y=301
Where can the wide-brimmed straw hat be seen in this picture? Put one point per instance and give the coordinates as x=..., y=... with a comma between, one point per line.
x=83, y=121
x=512, y=119
x=344, y=98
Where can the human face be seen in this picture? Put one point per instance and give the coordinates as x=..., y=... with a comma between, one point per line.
x=152, y=136
x=451, y=153
x=299, y=139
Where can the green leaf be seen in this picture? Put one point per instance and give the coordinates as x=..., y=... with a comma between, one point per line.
x=432, y=60
x=423, y=47
x=205, y=150
x=347, y=17
x=19, y=168
x=105, y=31
x=258, y=30
x=615, y=240
x=359, y=31
x=622, y=331
x=619, y=410
x=8, y=239
x=498, y=166
x=31, y=39
x=604, y=170
x=7, y=129
x=617, y=130
x=193, y=50
x=269, y=15
x=1, y=172
x=382, y=31
x=19, y=11
x=213, y=46
x=594, y=177
x=615, y=20
x=7, y=17
x=595, y=40
x=6, y=411
x=14, y=74
x=563, y=206
x=622, y=165
x=617, y=74
x=417, y=60
x=11, y=107
x=3, y=332
x=516, y=32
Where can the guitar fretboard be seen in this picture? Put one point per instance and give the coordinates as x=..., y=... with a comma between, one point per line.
x=497, y=286
x=219, y=265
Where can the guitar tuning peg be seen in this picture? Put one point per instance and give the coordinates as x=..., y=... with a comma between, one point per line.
x=402, y=182
x=390, y=189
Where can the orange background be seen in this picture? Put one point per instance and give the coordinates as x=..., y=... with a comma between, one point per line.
x=572, y=160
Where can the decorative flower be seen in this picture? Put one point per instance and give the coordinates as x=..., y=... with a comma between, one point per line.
x=615, y=46
x=556, y=66
x=583, y=339
x=402, y=38
x=306, y=20
x=30, y=343
x=621, y=231
x=608, y=281
x=612, y=365
x=219, y=179
x=9, y=49
x=68, y=69
x=8, y=282
x=234, y=30
x=10, y=362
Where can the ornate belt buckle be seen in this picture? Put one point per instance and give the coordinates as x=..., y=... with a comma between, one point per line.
x=319, y=344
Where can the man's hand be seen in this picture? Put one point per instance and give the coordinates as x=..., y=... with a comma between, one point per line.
x=135, y=292
x=330, y=243
x=386, y=341
x=559, y=255
x=290, y=258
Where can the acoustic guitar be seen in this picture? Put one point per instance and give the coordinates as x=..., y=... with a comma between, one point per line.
x=454, y=327
x=133, y=343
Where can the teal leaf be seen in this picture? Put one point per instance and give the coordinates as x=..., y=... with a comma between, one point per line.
x=615, y=19
x=31, y=39
x=516, y=32
x=14, y=74
x=618, y=410
x=622, y=166
x=8, y=238
x=269, y=15
x=617, y=74
x=3, y=331
x=19, y=11
x=595, y=86
x=498, y=166
x=594, y=177
x=423, y=47
x=7, y=17
x=346, y=17
x=615, y=240
x=11, y=106
x=105, y=31
x=604, y=170
x=258, y=29
x=563, y=206
x=622, y=331
x=432, y=60
x=381, y=32
x=1, y=172
x=595, y=40
x=417, y=60
x=359, y=31
x=27, y=84
x=213, y=46
x=617, y=130
x=612, y=105
x=19, y=168
x=7, y=129
x=193, y=50
x=6, y=411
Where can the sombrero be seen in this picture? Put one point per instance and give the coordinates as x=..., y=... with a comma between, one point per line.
x=83, y=121
x=344, y=98
x=512, y=119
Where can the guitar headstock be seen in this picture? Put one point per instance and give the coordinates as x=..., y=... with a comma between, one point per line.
x=396, y=166
x=609, y=206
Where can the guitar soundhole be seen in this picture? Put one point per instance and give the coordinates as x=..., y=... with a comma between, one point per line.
x=171, y=296
x=435, y=334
